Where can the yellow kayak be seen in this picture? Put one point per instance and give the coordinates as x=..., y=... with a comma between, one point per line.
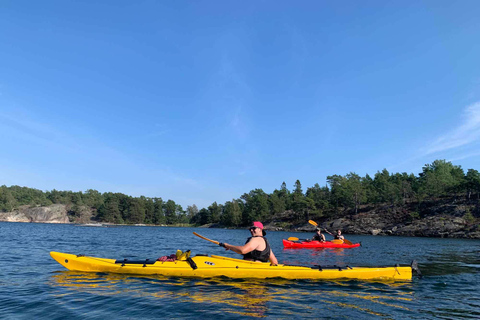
x=204, y=266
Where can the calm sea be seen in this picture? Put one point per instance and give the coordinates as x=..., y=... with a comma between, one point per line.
x=34, y=286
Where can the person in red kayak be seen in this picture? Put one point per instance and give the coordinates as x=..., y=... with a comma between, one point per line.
x=318, y=236
x=256, y=248
x=337, y=235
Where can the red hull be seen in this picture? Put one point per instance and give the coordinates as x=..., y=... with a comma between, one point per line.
x=317, y=244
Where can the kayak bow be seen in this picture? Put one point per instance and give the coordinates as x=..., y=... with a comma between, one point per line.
x=216, y=266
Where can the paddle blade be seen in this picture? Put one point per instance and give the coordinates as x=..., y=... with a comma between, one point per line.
x=293, y=239
x=347, y=242
x=337, y=241
x=313, y=223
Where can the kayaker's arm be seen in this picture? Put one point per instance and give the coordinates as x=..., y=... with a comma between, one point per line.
x=273, y=259
x=248, y=247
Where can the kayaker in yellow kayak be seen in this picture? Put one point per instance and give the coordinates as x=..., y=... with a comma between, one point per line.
x=256, y=248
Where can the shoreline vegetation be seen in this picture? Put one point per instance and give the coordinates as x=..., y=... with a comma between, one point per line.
x=442, y=201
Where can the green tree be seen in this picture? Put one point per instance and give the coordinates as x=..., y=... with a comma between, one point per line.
x=440, y=177
x=371, y=192
x=124, y=206
x=136, y=212
x=355, y=190
x=149, y=208
x=158, y=214
x=202, y=217
x=232, y=214
x=472, y=183
x=276, y=205
x=320, y=197
x=279, y=200
x=181, y=215
x=92, y=198
x=7, y=201
x=214, y=213
x=171, y=212
x=192, y=211
x=54, y=196
x=256, y=206
x=387, y=189
x=301, y=205
x=284, y=195
x=109, y=210
x=406, y=184
x=339, y=194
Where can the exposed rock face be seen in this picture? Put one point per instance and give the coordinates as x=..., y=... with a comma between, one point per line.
x=437, y=219
x=56, y=213
x=441, y=226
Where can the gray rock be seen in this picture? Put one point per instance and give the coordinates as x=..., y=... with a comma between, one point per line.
x=56, y=213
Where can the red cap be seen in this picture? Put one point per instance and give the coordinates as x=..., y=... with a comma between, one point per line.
x=257, y=224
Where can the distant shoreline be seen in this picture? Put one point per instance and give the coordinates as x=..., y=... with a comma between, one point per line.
x=306, y=228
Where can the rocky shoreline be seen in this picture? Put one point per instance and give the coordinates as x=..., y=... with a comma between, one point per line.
x=386, y=221
x=56, y=213
x=437, y=227
x=436, y=219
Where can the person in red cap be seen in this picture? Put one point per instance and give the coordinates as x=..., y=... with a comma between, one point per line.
x=256, y=248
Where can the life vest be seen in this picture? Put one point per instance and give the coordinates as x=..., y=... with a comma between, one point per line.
x=257, y=255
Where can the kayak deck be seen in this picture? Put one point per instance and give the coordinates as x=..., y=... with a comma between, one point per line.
x=216, y=266
x=317, y=244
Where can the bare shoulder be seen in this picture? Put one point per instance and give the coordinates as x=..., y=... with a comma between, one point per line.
x=257, y=240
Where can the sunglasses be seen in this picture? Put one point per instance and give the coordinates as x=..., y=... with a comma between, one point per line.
x=252, y=228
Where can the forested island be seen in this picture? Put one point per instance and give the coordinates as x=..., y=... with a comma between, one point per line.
x=442, y=201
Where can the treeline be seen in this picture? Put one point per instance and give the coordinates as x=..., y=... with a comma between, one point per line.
x=341, y=194
x=107, y=207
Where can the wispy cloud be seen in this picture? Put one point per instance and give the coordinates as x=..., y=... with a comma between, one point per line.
x=466, y=133
x=456, y=144
x=33, y=132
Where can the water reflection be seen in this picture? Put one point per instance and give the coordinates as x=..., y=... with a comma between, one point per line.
x=245, y=298
x=252, y=298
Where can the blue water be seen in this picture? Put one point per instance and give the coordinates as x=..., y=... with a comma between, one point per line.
x=34, y=286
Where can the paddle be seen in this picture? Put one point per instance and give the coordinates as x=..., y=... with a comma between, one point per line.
x=216, y=242
x=316, y=225
x=295, y=239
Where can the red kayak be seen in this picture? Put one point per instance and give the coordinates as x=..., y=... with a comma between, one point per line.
x=318, y=244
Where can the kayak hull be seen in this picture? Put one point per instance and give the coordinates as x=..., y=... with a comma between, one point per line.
x=216, y=266
x=317, y=244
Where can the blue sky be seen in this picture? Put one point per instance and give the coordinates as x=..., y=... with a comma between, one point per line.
x=202, y=101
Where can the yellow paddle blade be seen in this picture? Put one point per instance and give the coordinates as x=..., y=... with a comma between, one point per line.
x=337, y=241
x=293, y=239
x=313, y=222
x=347, y=242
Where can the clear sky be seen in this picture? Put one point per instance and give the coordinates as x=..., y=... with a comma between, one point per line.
x=202, y=101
